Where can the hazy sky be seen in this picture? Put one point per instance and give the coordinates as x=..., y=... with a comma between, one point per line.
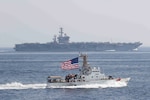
x=24, y=21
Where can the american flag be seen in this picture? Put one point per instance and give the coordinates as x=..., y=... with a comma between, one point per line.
x=70, y=64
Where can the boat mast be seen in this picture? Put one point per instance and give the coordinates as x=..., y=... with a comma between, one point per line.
x=84, y=60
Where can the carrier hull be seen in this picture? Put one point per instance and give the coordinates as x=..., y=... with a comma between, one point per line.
x=62, y=44
x=87, y=46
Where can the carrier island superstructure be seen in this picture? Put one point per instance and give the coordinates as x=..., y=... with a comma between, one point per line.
x=62, y=44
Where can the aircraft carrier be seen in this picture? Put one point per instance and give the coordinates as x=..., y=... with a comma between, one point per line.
x=62, y=44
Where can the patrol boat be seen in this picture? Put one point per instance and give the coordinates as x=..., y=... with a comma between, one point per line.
x=87, y=76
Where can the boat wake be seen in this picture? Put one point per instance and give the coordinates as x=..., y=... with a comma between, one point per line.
x=19, y=86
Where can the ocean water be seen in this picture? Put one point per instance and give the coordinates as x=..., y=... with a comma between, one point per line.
x=23, y=76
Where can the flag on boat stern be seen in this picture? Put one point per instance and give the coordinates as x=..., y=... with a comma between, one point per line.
x=70, y=64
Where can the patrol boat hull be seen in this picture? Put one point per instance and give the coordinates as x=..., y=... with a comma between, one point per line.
x=100, y=83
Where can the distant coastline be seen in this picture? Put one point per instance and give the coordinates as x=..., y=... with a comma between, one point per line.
x=6, y=49
x=144, y=49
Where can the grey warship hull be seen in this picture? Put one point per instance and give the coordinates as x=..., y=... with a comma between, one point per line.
x=87, y=46
x=62, y=44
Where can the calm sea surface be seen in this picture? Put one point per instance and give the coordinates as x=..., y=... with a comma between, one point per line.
x=23, y=76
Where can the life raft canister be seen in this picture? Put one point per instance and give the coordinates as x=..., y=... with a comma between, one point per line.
x=118, y=79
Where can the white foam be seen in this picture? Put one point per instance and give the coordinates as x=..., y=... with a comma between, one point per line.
x=17, y=85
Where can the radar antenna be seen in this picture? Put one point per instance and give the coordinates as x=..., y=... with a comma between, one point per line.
x=61, y=32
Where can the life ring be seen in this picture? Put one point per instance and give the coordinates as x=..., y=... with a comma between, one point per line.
x=87, y=70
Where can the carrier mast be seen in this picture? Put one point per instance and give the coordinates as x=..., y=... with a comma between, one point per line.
x=61, y=32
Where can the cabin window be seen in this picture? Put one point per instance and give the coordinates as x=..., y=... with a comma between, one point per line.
x=54, y=80
x=49, y=81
